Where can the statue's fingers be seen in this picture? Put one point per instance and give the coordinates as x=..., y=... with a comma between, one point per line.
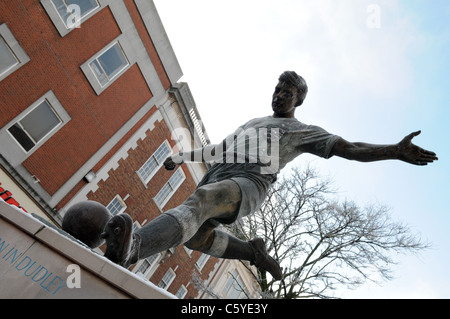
x=426, y=160
x=428, y=155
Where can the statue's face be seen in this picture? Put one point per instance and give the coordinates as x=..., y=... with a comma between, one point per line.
x=284, y=100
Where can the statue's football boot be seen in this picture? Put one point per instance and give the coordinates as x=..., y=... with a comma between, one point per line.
x=122, y=246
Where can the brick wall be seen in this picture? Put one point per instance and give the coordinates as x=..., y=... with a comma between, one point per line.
x=55, y=65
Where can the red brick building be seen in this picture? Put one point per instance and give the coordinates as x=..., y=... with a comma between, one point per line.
x=90, y=106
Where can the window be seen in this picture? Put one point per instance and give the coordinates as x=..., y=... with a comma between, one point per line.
x=201, y=262
x=170, y=188
x=35, y=126
x=106, y=66
x=182, y=292
x=12, y=56
x=29, y=130
x=117, y=206
x=7, y=58
x=136, y=226
x=188, y=251
x=72, y=12
x=234, y=288
x=148, y=170
x=68, y=15
x=109, y=64
x=145, y=266
x=167, y=279
x=198, y=127
x=148, y=266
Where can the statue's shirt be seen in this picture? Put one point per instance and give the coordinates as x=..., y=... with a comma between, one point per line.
x=271, y=141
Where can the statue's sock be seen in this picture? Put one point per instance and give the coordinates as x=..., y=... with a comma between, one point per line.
x=162, y=233
x=170, y=229
x=229, y=247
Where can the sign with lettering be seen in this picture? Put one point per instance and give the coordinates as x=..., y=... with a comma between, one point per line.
x=8, y=197
x=35, y=271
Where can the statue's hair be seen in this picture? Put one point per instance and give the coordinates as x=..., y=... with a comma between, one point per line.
x=293, y=79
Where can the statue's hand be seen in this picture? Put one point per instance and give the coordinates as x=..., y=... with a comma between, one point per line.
x=169, y=164
x=413, y=154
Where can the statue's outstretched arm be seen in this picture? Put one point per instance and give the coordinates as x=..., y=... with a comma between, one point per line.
x=405, y=151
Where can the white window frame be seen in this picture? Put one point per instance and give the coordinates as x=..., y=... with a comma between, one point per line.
x=26, y=130
x=188, y=251
x=159, y=161
x=73, y=21
x=182, y=292
x=90, y=73
x=121, y=202
x=16, y=154
x=198, y=127
x=170, y=185
x=153, y=264
x=61, y=25
x=167, y=279
x=136, y=225
x=201, y=262
x=11, y=55
x=16, y=50
x=97, y=59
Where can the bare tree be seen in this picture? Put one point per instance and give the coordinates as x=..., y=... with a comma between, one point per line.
x=321, y=243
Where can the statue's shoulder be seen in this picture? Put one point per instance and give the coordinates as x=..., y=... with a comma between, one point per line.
x=259, y=122
x=287, y=124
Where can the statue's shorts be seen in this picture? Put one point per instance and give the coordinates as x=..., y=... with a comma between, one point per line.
x=253, y=185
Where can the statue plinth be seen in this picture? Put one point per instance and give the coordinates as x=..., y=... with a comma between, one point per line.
x=39, y=262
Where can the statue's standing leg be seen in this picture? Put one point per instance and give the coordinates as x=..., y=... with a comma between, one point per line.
x=220, y=244
x=214, y=242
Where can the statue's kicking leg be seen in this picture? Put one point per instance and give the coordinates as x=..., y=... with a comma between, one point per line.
x=179, y=225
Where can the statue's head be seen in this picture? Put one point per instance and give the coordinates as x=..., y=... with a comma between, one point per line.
x=290, y=78
x=290, y=93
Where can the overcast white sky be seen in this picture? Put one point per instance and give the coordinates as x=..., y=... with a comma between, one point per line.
x=369, y=81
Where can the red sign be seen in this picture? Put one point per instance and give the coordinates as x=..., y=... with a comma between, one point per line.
x=7, y=197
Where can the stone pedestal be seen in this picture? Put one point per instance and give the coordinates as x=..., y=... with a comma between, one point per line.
x=39, y=262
